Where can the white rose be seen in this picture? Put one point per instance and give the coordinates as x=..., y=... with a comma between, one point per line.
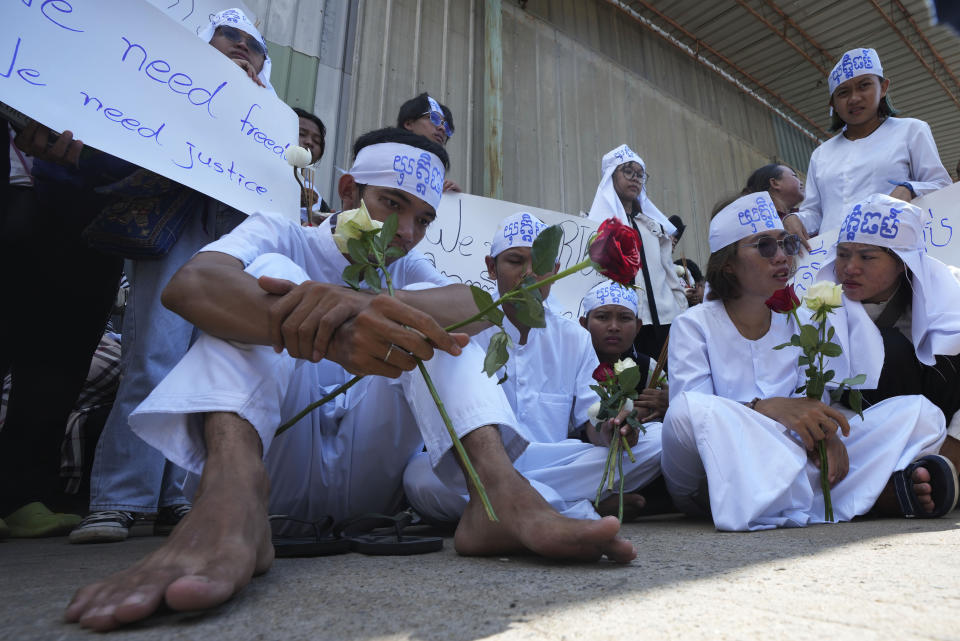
x=352, y=224
x=592, y=412
x=823, y=294
x=628, y=405
x=298, y=156
x=621, y=365
x=681, y=272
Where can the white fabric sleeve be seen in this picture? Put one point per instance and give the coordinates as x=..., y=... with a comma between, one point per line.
x=810, y=212
x=689, y=361
x=927, y=173
x=260, y=233
x=585, y=397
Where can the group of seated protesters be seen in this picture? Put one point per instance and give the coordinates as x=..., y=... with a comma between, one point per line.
x=263, y=326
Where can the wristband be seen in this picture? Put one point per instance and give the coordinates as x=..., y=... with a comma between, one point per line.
x=753, y=404
x=913, y=194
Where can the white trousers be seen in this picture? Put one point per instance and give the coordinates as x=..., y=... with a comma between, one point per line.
x=751, y=473
x=344, y=458
x=566, y=474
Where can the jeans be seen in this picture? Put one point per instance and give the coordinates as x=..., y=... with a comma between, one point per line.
x=127, y=473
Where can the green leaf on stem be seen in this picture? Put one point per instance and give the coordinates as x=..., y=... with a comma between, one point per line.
x=545, y=249
x=529, y=308
x=831, y=349
x=483, y=300
x=830, y=332
x=856, y=401
x=803, y=360
x=782, y=345
x=394, y=252
x=497, y=353
x=351, y=275
x=859, y=379
x=502, y=380
x=808, y=336
x=358, y=251
x=630, y=378
x=828, y=376
x=372, y=277
x=386, y=233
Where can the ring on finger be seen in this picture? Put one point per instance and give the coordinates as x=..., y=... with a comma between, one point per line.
x=389, y=351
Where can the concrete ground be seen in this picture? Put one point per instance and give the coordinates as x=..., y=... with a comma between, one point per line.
x=873, y=579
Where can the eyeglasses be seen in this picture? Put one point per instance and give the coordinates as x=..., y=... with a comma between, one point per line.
x=235, y=35
x=633, y=174
x=438, y=120
x=767, y=246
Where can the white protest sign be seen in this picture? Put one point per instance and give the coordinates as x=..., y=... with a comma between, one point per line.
x=195, y=15
x=129, y=81
x=941, y=215
x=461, y=235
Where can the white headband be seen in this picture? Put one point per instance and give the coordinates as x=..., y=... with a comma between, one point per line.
x=434, y=105
x=747, y=215
x=237, y=19
x=516, y=230
x=887, y=222
x=390, y=164
x=609, y=293
x=856, y=62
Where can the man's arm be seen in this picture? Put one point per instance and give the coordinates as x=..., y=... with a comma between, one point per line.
x=310, y=320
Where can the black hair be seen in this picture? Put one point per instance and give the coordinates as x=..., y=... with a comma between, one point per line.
x=693, y=268
x=760, y=179
x=884, y=109
x=403, y=137
x=678, y=223
x=416, y=107
x=303, y=113
x=724, y=285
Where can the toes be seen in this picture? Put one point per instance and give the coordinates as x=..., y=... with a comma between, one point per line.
x=197, y=592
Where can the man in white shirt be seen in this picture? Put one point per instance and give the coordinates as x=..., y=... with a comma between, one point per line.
x=217, y=411
x=548, y=379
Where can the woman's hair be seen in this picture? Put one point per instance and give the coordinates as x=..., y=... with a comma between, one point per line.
x=883, y=110
x=416, y=107
x=723, y=283
x=760, y=179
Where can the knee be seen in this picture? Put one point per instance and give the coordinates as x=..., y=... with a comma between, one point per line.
x=276, y=266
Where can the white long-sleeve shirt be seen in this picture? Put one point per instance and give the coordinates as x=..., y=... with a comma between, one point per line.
x=843, y=172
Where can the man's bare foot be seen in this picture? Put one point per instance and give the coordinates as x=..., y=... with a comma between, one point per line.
x=209, y=556
x=633, y=502
x=527, y=523
x=887, y=504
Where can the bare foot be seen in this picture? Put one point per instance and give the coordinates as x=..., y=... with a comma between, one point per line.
x=887, y=504
x=209, y=556
x=633, y=502
x=527, y=523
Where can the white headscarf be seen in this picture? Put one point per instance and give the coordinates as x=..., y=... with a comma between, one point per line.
x=606, y=204
x=856, y=62
x=747, y=215
x=238, y=20
x=935, y=322
x=416, y=171
x=516, y=230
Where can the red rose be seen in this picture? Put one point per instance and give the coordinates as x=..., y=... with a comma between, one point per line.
x=616, y=251
x=603, y=372
x=784, y=300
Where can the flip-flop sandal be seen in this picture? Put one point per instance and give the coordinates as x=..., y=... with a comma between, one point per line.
x=35, y=520
x=364, y=536
x=4, y=530
x=943, y=480
x=321, y=543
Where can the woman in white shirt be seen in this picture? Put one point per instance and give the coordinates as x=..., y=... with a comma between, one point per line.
x=735, y=425
x=874, y=152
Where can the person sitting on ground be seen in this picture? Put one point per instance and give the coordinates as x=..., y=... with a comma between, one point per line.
x=737, y=442
x=425, y=116
x=279, y=330
x=786, y=192
x=547, y=382
x=313, y=135
x=904, y=305
x=622, y=194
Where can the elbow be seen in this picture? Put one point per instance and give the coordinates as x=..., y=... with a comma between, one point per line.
x=180, y=290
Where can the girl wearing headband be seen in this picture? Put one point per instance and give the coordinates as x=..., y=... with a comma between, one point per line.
x=735, y=424
x=622, y=194
x=903, y=306
x=874, y=151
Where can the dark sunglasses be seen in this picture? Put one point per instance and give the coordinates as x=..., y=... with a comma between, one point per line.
x=767, y=246
x=438, y=121
x=235, y=35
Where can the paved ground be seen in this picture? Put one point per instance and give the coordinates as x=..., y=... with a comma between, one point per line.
x=883, y=579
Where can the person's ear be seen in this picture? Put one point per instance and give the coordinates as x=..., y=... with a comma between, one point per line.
x=583, y=322
x=884, y=85
x=637, y=333
x=348, y=191
x=491, y=266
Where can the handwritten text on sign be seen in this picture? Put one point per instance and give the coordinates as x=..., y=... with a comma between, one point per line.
x=460, y=237
x=941, y=216
x=129, y=81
